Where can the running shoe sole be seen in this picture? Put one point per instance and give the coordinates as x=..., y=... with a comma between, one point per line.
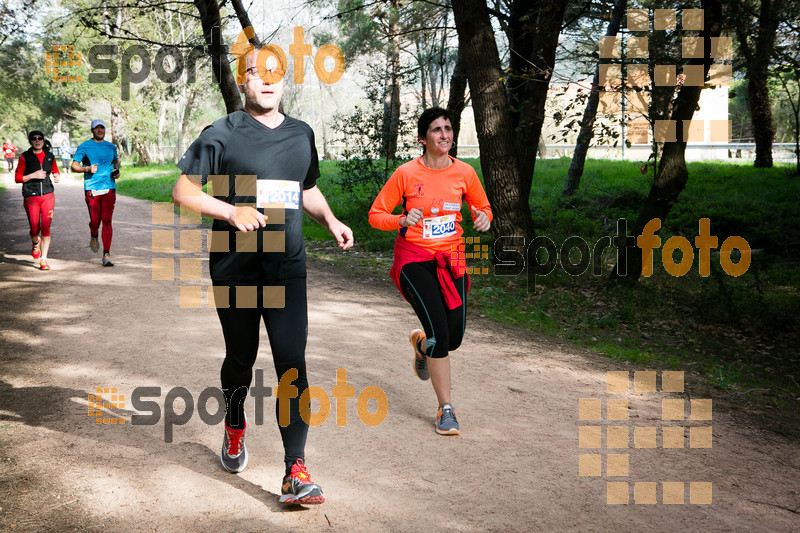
x=310, y=499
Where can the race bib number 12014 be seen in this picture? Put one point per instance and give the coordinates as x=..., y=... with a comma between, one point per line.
x=278, y=192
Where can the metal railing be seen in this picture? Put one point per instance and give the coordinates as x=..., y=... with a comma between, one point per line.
x=694, y=151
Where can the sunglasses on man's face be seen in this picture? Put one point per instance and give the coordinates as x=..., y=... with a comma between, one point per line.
x=37, y=138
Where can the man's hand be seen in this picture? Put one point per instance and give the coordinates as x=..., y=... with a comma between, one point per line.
x=93, y=169
x=411, y=219
x=55, y=177
x=115, y=173
x=38, y=175
x=246, y=218
x=342, y=233
x=481, y=219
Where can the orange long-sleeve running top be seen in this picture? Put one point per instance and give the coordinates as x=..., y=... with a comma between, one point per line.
x=439, y=193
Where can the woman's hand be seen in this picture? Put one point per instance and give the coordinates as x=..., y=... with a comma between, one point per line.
x=37, y=175
x=481, y=219
x=411, y=219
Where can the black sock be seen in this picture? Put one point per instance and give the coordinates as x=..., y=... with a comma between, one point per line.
x=105, y=252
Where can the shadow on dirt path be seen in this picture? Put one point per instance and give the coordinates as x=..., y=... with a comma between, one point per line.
x=514, y=468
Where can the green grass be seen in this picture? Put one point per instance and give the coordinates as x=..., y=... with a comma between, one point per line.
x=153, y=182
x=737, y=335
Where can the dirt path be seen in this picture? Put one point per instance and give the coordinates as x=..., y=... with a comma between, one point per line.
x=514, y=468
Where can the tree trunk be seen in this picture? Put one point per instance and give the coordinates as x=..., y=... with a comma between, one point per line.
x=114, y=129
x=211, y=21
x=456, y=101
x=795, y=111
x=187, y=115
x=533, y=38
x=672, y=175
x=761, y=113
x=590, y=113
x=758, y=54
x=391, y=95
x=492, y=120
x=797, y=139
x=432, y=82
x=162, y=119
x=422, y=73
x=143, y=156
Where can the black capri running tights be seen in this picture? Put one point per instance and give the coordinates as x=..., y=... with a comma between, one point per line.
x=287, y=328
x=444, y=329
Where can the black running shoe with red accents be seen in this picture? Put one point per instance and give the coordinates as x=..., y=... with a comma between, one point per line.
x=233, y=455
x=298, y=488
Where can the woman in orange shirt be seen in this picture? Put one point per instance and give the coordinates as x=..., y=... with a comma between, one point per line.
x=428, y=269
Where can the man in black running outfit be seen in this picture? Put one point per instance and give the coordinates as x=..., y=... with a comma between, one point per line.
x=263, y=169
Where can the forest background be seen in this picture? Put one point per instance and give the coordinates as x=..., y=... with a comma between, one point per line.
x=520, y=78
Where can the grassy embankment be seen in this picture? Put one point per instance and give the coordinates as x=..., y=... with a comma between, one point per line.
x=739, y=334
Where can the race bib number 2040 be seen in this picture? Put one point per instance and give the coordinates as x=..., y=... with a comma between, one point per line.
x=439, y=227
x=278, y=192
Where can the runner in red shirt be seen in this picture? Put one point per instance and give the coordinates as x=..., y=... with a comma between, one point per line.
x=8, y=152
x=431, y=189
x=34, y=171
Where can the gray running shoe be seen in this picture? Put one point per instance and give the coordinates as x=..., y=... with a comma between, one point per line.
x=420, y=359
x=233, y=455
x=93, y=244
x=107, y=260
x=446, y=423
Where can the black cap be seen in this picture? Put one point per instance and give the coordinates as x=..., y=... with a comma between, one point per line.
x=34, y=132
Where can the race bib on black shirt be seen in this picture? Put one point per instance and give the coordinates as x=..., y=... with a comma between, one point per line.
x=252, y=164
